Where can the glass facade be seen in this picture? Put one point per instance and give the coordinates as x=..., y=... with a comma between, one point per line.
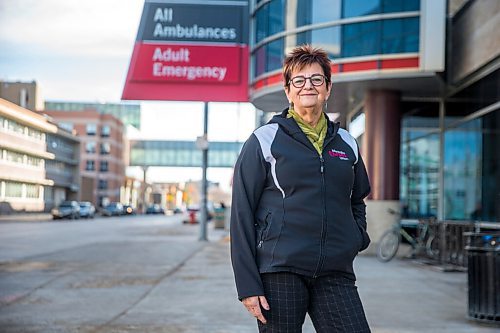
x=326, y=38
x=59, y=168
x=471, y=170
x=420, y=160
x=269, y=19
x=373, y=36
x=182, y=153
x=319, y=11
x=355, y=8
x=129, y=114
x=470, y=159
x=65, y=148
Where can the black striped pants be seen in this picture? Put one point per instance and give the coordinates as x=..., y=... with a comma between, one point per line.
x=332, y=302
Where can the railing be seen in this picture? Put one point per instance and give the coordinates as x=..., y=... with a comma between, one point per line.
x=452, y=242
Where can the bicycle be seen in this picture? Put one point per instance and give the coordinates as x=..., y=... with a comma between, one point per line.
x=425, y=241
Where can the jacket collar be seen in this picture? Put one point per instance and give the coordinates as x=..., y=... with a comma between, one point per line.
x=290, y=126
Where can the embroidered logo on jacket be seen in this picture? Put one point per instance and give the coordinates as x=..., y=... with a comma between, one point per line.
x=338, y=153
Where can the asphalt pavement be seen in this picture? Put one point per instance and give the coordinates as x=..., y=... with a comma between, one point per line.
x=151, y=276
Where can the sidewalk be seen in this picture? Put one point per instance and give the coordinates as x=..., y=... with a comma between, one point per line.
x=399, y=296
x=26, y=217
x=158, y=278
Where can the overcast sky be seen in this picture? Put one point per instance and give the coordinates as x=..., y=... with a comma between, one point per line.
x=80, y=51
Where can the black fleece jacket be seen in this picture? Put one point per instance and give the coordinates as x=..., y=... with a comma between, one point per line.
x=293, y=210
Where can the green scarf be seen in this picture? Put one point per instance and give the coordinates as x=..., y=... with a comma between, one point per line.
x=315, y=134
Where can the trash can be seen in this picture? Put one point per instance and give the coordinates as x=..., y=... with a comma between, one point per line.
x=483, y=262
x=219, y=218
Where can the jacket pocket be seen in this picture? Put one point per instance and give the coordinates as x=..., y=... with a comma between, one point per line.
x=264, y=232
x=363, y=236
x=359, y=235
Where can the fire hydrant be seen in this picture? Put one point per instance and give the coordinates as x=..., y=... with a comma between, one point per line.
x=192, y=217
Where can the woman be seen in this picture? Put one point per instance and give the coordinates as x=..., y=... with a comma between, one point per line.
x=298, y=215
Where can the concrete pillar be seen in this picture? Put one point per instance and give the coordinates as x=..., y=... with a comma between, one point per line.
x=382, y=141
x=381, y=148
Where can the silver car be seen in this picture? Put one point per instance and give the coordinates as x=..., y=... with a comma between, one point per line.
x=87, y=209
x=66, y=209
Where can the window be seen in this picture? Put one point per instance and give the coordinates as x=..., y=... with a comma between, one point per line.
x=14, y=157
x=91, y=129
x=391, y=6
x=90, y=165
x=35, y=134
x=400, y=35
x=66, y=126
x=269, y=19
x=105, y=131
x=354, y=8
x=103, y=184
x=471, y=172
x=13, y=126
x=268, y=57
x=32, y=191
x=13, y=189
x=105, y=148
x=318, y=11
x=462, y=171
x=259, y=59
x=275, y=53
x=104, y=166
x=361, y=39
x=327, y=38
x=419, y=160
x=261, y=23
x=34, y=161
x=90, y=147
x=276, y=17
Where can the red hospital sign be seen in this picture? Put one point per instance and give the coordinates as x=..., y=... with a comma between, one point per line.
x=187, y=52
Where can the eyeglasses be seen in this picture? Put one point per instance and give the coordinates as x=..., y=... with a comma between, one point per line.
x=300, y=81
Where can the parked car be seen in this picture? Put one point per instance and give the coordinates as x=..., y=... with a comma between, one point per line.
x=113, y=209
x=174, y=211
x=155, y=209
x=87, y=209
x=128, y=210
x=66, y=209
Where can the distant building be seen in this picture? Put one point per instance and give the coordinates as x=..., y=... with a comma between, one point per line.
x=64, y=169
x=129, y=113
x=24, y=94
x=102, y=166
x=28, y=179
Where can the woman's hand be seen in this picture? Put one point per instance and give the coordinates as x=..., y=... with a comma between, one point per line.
x=253, y=305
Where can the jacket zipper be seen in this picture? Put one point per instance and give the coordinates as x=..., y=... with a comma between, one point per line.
x=323, y=220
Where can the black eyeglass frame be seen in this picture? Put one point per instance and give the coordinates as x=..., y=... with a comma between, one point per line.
x=307, y=78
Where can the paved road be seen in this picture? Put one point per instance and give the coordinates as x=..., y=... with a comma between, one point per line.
x=86, y=272
x=150, y=274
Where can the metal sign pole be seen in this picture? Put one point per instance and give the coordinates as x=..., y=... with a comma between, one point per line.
x=203, y=222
